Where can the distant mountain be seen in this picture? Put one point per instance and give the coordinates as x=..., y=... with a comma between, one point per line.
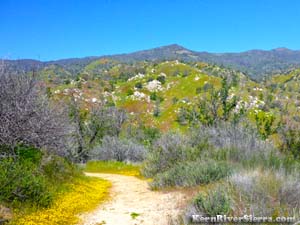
x=23, y=64
x=255, y=63
x=169, y=52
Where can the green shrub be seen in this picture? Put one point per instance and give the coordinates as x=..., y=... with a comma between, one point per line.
x=150, y=79
x=139, y=85
x=33, y=177
x=175, y=100
x=26, y=153
x=58, y=170
x=290, y=137
x=207, y=86
x=198, y=90
x=21, y=181
x=67, y=81
x=161, y=79
x=216, y=202
x=265, y=124
x=129, y=92
x=191, y=174
x=153, y=96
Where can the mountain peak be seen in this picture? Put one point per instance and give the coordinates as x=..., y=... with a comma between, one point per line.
x=282, y=49
x=174, y=47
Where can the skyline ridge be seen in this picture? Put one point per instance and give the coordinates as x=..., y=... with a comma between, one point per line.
x=175, y=45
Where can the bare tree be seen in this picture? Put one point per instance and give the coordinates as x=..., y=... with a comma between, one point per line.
x=27, y=117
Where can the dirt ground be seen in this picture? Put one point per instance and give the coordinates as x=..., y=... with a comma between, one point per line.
x=133, y=203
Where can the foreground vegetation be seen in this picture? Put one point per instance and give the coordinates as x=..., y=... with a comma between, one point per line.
x=39, y=182
x=83, y=195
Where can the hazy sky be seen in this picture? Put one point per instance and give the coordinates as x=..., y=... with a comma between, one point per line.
x=54, y=29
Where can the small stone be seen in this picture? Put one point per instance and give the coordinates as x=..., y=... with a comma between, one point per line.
x=5, y=214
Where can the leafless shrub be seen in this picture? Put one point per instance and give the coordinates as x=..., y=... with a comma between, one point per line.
x=27, y=117
x=244, y=141
x=113, y=148
x=166, y=152
x=263, y=192
x=289, y=193
x=255, y=197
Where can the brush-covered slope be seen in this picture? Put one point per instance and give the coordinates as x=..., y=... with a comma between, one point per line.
x=152, y=93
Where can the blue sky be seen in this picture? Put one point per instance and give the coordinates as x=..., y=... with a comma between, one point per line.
x=55, y=29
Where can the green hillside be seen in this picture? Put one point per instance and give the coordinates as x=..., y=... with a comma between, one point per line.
x=154, y=93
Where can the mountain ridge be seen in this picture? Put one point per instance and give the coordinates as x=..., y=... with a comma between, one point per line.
x=256, y=63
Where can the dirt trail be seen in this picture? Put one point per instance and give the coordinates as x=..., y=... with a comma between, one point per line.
x=131, y=197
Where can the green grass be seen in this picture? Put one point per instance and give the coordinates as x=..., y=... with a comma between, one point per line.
x=113, y=167
x=134, y=215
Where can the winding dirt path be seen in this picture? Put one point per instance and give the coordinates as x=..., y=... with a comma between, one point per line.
x=133, y=203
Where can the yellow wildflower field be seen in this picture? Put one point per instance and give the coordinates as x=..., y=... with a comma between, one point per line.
x=84, y=196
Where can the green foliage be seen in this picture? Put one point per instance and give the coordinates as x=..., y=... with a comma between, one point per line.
x=153, y=96
x=290, y=137
x=134, y=215
x=211, y=108
x=67, y=81
x=30, y=154
x=216, y=202
x=142, y=134
x=227, y=104
x=175, y=100
x=151, y=134
x=161, y=79
x=198, y=90
x=129, y=92
x=207, y=87
x=58, y=170
x=21, y=181
x=139, y=85
x=33, y=177
x=49, y=92
x=92, y=125
x=265, y=124
x=150, y=79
